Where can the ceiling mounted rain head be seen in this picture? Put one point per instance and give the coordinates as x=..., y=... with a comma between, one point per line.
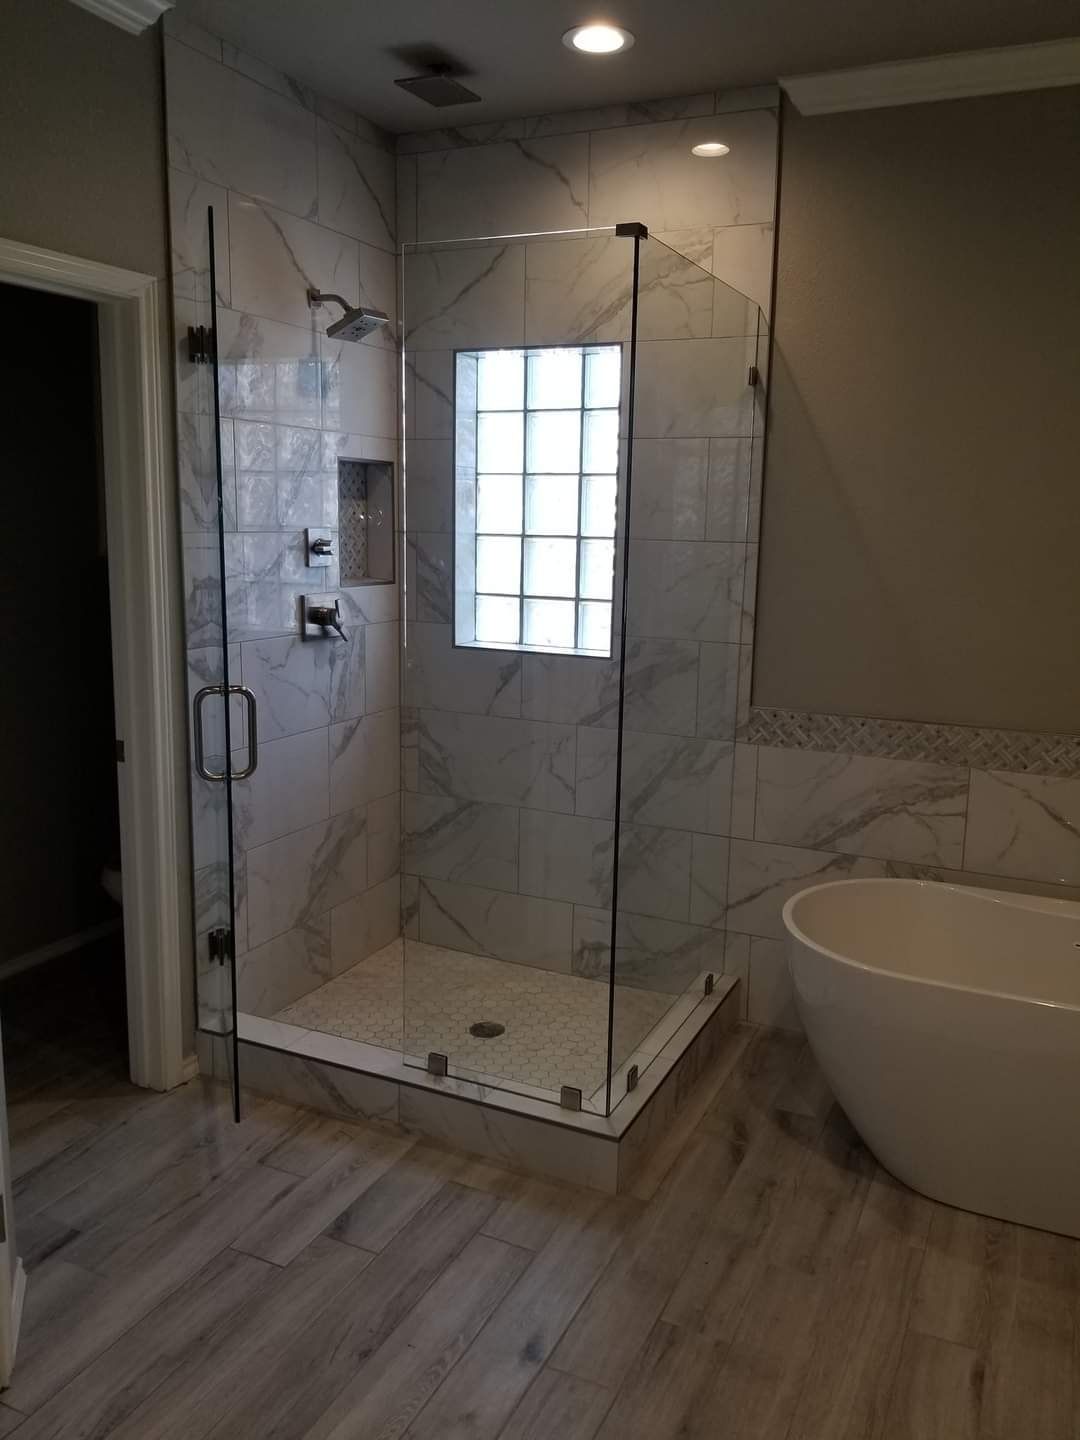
x=438, y=87
x=355, y=323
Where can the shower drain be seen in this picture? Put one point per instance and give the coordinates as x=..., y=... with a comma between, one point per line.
x=486, y=1029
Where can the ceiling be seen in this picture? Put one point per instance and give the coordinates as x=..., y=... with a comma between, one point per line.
x=511, y=51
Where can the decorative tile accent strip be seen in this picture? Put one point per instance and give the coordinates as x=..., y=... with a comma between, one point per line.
x=1021, y=751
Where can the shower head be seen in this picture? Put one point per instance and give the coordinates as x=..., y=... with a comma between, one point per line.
x=355, y=323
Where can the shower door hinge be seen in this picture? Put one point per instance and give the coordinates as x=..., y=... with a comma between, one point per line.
x=219, y=943
x=752, y=375
x=200, y=339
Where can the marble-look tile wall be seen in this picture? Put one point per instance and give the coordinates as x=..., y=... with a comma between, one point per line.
x=304, y=194
x=509, y=758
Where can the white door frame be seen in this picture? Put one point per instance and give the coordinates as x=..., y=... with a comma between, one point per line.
x=144, y=600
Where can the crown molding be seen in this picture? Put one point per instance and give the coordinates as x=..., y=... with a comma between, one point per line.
x=134, y=16
x=939, y=77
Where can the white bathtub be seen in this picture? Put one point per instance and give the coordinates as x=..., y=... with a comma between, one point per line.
x=947, y=1021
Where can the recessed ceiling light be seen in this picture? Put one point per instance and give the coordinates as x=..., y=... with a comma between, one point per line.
x=598, y=39
x=710, y=149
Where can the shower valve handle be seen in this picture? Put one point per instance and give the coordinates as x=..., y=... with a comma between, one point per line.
x=327, y=616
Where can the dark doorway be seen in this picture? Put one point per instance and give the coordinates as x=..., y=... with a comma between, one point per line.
x=62, y=997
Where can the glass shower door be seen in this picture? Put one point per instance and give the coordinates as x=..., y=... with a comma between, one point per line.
x=223, y=742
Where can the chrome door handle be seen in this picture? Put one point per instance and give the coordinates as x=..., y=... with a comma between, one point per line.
x=200, y=748
x=252, y=709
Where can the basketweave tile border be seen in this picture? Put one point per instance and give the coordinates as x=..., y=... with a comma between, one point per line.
x=1022, y=751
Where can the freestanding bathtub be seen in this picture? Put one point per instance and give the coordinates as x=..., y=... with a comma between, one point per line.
x=947, y=1021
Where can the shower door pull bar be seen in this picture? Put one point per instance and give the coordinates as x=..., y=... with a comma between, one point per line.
x=252, y=712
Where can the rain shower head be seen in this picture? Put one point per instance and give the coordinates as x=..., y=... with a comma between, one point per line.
x=355, y=323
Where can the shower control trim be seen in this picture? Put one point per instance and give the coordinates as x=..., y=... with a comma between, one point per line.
x=320, y=547
x=319, y=614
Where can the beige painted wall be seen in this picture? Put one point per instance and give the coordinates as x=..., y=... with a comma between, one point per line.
x=81, y=165
x=921, y=534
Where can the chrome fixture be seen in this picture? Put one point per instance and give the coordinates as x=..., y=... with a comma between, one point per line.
x=357, y=321
x=252, y=710
x=318, y=615
x=320, y=547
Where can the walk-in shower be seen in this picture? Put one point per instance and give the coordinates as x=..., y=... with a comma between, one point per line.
x=512, y=890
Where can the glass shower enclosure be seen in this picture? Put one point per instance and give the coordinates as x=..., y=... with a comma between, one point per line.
x=489, y=839
x=581, y=419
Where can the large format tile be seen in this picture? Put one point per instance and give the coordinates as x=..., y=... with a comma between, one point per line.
x=646, y=172
x=269, y=372
x=441, y=676
x=518, y=928
x=275, y=974
x=365, y=760
x=364, y=924
x=504, y=761
x=290, y=679
x=666, y=779
x=512, y=188
x=449, y=839
x=686, y=590
x=669, y=490
x=356, y=187
x=578, y=290
x=892, y=809
x=300, y=876
x=1026, y=826
x=694, y=388
x=764, y=877
x=289, y=790
x=566, y=857
x=468, y=295
x=189, y=200
x=276, y=258
x=228, y=129
x=650, y=953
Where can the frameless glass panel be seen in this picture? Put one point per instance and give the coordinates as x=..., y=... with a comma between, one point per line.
x=498, y=504
x=551, y=504
x=554, y=441
x=489, y=971
x=210, y=557
x=664, y=943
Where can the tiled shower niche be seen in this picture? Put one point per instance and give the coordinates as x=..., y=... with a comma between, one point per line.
x=365, y=521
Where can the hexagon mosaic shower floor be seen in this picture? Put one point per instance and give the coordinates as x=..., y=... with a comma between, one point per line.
x=555, y=1025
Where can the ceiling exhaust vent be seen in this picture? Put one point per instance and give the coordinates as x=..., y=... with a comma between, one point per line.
x=438, y=87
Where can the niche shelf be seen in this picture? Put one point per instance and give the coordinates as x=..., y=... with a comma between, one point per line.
x=365, y=522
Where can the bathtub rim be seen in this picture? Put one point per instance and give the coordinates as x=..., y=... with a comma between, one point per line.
x=971, y=893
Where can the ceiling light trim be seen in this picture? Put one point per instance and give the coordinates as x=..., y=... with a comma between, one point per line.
x=939, y=77
x=134, y=16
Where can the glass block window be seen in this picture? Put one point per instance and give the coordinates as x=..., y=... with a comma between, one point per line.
x=536, y=462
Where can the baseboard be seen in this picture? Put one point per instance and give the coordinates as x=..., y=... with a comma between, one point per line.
x=56, y=948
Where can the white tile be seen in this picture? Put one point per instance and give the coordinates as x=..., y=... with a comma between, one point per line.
x=384, y=837
x=718, y=688
x=686, y=590
x=279, y=972
x=381, y=659
x=441, y=677
x=303, y=875
x=669, y=487
x=513, y=188
x=743, y=259
x=709, y=880
x=1026, y=826
x=364, y=924
x=646, y=172
x=189, y=200
x=566, y=857
x=326, y=1088
x=449, y=839
x=666, y=779
x=276, y=258
x=288, y=791
x=729, y=488
x=361, y=387
x=256, y=69
x=578, y=290
x=517, y=928
x=462, y=296
x=694, y=388
x=290, y=679
x=764, y=877
x=237, y=133
x=497, y=759
x=892, y=809
x=356, y=187
x=365, y=758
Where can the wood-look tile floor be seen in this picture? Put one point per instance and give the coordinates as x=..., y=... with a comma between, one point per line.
x=295, y=1276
